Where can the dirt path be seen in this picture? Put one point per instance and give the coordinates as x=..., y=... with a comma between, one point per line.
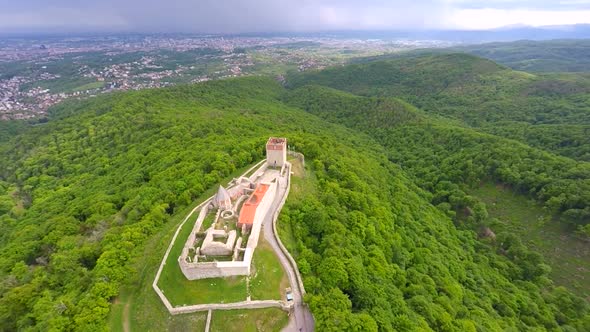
x=125, y=319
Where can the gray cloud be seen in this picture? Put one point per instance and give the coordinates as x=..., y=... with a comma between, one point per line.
x=227, y=16
x=554, y=5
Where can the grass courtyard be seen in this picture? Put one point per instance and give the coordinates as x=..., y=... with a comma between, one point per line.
x=268, y=279
x=181, y=291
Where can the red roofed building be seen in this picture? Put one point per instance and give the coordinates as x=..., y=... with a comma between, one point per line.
x=248, y=211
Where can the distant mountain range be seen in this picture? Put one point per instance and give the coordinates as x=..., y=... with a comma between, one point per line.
x=508, y=33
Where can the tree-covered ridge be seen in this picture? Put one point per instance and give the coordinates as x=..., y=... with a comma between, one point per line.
x=534, y=56
x=463, y=86
x=9, y=129
x=473, y=90
x=568, y=140
x=537, y=56
x=416, y=76
x=80, y=195
x=435, y=153
x=377, y=256
x=351, y=110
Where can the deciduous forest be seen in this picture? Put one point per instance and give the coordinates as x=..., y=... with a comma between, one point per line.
x=382, y=225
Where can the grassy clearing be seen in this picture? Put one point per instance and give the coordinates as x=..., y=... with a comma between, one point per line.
x=297, y=167
x=62, y=84
x=89, y=86
x=207, y=222
x=269, y=279
x=271, y=319
x=568, y=256
x=192, y=322
x=182, y=292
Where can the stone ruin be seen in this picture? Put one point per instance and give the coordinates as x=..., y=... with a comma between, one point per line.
x=224, y=249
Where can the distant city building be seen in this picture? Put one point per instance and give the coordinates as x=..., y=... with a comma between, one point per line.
x=276, y=151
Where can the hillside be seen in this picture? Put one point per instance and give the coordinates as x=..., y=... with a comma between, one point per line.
x=86, y=195
x=436, y=152
x=537, y=56
x=449, y=161
x=477, y=92
x=464, y=87
x=533, y=56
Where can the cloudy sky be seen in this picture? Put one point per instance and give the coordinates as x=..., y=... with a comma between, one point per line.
x=229, y=16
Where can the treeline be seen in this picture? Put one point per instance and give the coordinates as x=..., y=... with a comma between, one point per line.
x=534, y=56
x=11, y=128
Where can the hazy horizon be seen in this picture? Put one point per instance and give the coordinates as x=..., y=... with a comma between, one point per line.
x=283, y=16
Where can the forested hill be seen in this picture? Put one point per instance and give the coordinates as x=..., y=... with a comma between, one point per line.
x=81, y=195
x=437, y=153
x=551, y=112
x=463, y=86
x=537, y=56
x=534, y=56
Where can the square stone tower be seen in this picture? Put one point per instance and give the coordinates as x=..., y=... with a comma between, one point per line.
x=276, y=151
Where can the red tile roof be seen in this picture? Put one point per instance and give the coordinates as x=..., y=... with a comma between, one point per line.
x=249, y=208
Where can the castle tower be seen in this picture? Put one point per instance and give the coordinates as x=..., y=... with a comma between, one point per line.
x=276, y=151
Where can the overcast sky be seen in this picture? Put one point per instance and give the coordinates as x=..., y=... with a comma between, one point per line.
x=230, y=16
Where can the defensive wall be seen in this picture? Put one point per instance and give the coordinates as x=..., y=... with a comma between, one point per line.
x=286, y=177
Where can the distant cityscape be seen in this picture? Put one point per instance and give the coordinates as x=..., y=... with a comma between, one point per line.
x=36, y=74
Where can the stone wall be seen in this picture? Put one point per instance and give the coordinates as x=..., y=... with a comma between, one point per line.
x=194, y=271
x=159, y=273
x=190, y=242
x=157, y=289
x=258, y=173
x=297, y=155
x=214, y=248
x=285, y=306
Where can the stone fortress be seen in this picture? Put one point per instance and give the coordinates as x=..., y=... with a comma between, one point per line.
x=226, y=232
